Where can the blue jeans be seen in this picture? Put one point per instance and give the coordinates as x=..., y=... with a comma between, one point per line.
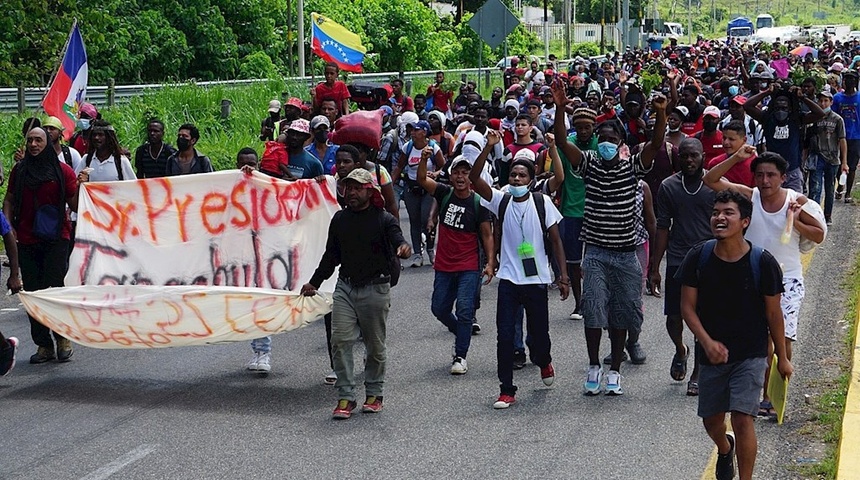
x=262, y=345
x=824, y=173
x=534, y=299
x=449, y=287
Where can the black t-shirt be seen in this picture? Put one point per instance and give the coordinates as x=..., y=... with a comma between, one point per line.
x=730, y=306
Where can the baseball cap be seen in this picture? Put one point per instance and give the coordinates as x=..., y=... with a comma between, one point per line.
x=53, y=122
x=387, y=110
x=525, y=154
x=823, y=93
x=683, y=110
x=320, y=120
x=294, y=102
x=712, y=110
x=274, y=106
x=421, y=125
x=739, y=99
x=512, y=103
x=301, y=125
x=361, y=176
x=458, y=160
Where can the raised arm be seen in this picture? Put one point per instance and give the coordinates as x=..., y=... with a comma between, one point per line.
x=650, y=150
x=557, y=179
x=478, y=184
x=751, y=105
x=714, y=177
x=426, y=182
x=571, y=152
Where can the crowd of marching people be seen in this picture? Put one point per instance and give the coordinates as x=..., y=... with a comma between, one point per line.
x=580, y=179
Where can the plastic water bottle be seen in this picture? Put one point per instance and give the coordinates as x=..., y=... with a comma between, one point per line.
x=843, y=179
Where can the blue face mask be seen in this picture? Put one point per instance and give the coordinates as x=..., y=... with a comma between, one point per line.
x=518, y=190
x=733, y=90
x=83, y=123
x=826, y=110
x=712, y=69
x=607, y=150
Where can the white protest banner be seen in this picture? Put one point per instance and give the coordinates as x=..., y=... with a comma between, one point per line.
x=152, y=316
x=223, y=229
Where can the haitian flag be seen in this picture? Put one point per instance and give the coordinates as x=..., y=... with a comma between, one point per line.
x=334, y=43
x=69, y=88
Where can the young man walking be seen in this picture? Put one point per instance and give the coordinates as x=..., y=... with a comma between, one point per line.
x=732, y=336
x=612, y=286
x=361, y=239
x=462, y=221
x=528, y=229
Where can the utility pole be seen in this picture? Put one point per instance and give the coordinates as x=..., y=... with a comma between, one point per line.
x=690, y=22
x=567, y=28
x=290, y=37
x=602, y=27
x=545, y=32
x=300, y=7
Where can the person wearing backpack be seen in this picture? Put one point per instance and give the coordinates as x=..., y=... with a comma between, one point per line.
x=66, y=154
x=462, y=221
x=612, y=274
x=104, y=161
x=732, y=336
x=363, y=240
x=40, y=187
x=529, y=228
x=784, y=223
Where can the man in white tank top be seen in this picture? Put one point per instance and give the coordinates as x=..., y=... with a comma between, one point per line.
x=773, y=208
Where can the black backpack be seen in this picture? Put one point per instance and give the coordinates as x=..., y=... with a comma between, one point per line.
x=116, y=161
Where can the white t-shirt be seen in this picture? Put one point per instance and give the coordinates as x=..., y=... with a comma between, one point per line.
x=413, y=156
x=521, y=223
x=106, y=171
x=75, y=160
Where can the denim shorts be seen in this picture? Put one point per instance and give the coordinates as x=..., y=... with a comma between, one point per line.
x=731, y=387
x=611, y=288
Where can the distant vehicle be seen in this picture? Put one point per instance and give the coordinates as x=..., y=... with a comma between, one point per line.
x=740, y=27
x=764, y=21
x=838, y=32
x=524, y=63
x=853, y=35
x=673, y=29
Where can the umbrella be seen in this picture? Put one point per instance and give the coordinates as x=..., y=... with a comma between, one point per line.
x=804, y=50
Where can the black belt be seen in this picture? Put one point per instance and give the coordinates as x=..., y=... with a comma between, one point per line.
x=380, y=280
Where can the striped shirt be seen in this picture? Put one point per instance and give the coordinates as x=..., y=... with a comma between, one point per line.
x=610, y=201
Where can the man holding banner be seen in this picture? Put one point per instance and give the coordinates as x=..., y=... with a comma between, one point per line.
x=361, y=240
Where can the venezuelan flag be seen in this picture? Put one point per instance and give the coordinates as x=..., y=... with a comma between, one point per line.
x=334, y=43
x=69, y=88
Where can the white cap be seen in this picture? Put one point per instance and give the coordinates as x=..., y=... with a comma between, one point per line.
x=274, y=106
x=525, y=154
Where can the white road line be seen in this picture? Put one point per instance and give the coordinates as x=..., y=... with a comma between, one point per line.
x=115, y=466
x=9, y=309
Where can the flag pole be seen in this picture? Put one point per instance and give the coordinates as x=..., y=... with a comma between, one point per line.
x=60, y=64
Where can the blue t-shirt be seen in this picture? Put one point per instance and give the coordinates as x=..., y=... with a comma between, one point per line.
x=848, y=107
x=328, y=157
x=4, y=225
x=304, y=165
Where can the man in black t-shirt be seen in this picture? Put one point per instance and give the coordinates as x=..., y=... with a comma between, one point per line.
x=150, y=159
x=732, y=336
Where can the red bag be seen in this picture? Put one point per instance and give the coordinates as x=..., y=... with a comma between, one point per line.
x=363, y=127
x=274, y=156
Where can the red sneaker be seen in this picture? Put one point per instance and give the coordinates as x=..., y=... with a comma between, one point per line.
x=344, y=409
x=373, y=404
x=547, y=374
x=504, y=401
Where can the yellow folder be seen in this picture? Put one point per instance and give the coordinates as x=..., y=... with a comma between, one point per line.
x=777, y=390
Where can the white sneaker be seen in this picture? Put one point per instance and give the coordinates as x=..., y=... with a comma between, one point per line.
x=417, y=260
x=331, y=378
x=252, y=365
x=594, y=380
x=575, y=315
x=613, y=383
x=459, y=366
x=263, y=365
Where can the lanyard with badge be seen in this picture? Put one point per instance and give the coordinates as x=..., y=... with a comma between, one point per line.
x=526, y=250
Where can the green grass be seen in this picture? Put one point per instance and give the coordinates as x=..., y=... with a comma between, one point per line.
x=831, y=405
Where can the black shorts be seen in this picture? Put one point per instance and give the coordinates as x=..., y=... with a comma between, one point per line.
x=671, y=292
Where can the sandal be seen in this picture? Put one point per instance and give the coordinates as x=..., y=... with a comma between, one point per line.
x=678, y=370
x=692, y=388
x=766, y=410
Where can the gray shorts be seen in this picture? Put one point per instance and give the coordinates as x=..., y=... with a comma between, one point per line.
x=611, y=289
x=731, y=387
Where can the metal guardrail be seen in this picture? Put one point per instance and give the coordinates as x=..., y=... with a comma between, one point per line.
x=106, y=95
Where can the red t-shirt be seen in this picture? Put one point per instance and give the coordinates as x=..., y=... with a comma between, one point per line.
x=712, y=144
x=46, y=193
x=441, y=98
x=337, y=92
x=739, y=173
x=692, y=128
x=402, y=104
x=457, y=247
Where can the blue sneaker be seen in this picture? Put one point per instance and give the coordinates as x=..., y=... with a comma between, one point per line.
x=594, y=380
x=613, y=383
